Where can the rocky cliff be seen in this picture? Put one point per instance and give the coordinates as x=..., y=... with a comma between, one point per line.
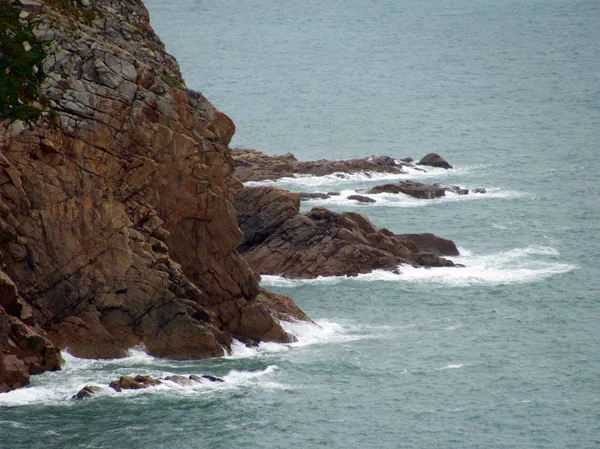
x=116, y=223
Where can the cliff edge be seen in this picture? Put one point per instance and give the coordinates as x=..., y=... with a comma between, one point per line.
x=116, y=222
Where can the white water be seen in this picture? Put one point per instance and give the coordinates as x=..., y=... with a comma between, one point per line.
x=516, y=266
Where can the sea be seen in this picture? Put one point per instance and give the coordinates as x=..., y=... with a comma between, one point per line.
x=503, y=353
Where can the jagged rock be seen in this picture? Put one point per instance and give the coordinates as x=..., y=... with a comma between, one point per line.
x=253, y=165
x=313, y=195
x=419, y=189
x=432, y=243
x=212, y=378
x=140, y=382
x=133, y=383
x=88, y=391
x=116, y=223
x=479, y=190
x=180, y=380
x=361, y=199
x=24, y=349
x=412, y=188
x=324, y=243
x=434, y=160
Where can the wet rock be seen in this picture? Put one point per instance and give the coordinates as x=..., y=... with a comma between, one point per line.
x=253, y=165
x=411, y=188
x=212, y=378
x=133, y=383
x=180, y=380
x=434, y=160
x=479, y=190
x=325, y=243
x=419, y=189
x=88, y=391
x=313, y=195
x=361, y=199
x=116, y=219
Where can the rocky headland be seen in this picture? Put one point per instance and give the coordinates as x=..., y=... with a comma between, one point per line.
x=116, y=222
x=123, y=221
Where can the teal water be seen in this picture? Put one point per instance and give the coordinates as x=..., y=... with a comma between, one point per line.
x=503, y=353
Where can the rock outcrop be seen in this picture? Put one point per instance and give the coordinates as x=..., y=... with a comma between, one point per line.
x=116, y=223
x=279, y=240
x=434, y=160
x=421, y=190
x=253, y=165
x=141, y=382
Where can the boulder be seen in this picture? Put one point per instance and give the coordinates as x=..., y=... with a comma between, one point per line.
x=88, y=391
x=313, y=195
x=180, y=380
x=419, y=189
x=133, y=383
x=361, y=199
x=434, y=160
x=411, y=188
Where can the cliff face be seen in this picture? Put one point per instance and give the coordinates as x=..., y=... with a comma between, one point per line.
x=116, y=224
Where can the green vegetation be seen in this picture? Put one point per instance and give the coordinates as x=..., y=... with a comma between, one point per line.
x=21, y=72
x=71, y=9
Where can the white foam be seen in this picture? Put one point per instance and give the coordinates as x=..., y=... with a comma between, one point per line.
x=300, y=181
x=452, y=366
x=515, y=266
x=318, y=332
x=405, y=201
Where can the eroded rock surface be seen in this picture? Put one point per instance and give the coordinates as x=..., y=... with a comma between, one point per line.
x=434, y=160
x=324, y=243
x=116, y=223
x=421, y=190
x=253, y=165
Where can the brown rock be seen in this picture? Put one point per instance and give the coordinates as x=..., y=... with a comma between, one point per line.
x=419, y=189
x=411, y=188
x=116, y=226
x=88, y=391
x=434, y=160
x=361, y=199
x=324, y=243
x=180, y=380
x=253, y=165
x=133, y=383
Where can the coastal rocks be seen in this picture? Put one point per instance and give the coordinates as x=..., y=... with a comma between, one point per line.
x=133, y=383
x=140, y=382
x=434, y=160
x=324, y=243
x=24, y=350
x=361, y=199
x=116, y=223
x=88, y=391
x=253, y=165
x=421, y=190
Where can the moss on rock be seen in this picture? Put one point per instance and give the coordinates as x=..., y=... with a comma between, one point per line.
x=21, y=69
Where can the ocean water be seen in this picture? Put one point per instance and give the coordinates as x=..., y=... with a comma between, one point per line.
x=504, y=353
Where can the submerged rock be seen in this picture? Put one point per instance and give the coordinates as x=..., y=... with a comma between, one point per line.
x=421, y=190
x=361, y=199
x=88, y=391
x=411, y=188
x=133, y=383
